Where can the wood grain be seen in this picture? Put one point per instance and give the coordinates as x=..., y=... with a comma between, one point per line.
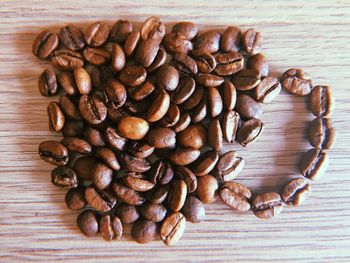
x=35, y=225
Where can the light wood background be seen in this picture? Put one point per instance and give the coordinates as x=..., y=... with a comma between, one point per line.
x=314, y=35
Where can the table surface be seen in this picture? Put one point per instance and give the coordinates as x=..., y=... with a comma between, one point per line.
x=314, y=35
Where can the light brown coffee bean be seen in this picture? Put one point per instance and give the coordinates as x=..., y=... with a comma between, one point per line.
x=67, y=60
x=118, y=58
x=188, y=29
x=102, y=201
x=137, y=182
x=56, y=116
x=231, y=39
x=133, y=128
x=159, y=107
x=177, y=195
x=322, y=134
x=184, y=156
x=295, y=192
x=314, y=164
x=249, y=131
x=208, y=41
x=229, y=95
x=194, y=136
x=215, y=136
x=172, y=228
x=296, y=81
x=209, y=80
x=215, y=103
x=120, y=31
x=252, y=42
x=229, y=166
x=267, y=90
x=177, y=43
x=146, y=52
x=96, y=34
x=131, y=43
x=188, y=177
x=153, y=28
x=82, y=80
x=161, y=137
x=229, y=63
x=206, y=188
x=132, y=75
x=230, y=124
x=246, y=79
x=206, y=163
x=96, y=56
x=111, y=228
x=127, y=195
x=321, y=101
x=236, y=196
x=247, y=107
x=259, y=63
x=267, y=205
x=205, y=61
x=193, y=209
x=47, y=83
x=44, y=44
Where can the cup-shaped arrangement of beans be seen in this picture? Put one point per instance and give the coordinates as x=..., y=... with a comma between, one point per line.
x=144, y=115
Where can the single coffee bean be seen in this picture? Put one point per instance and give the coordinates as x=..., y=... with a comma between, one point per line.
x=206, y=163
x=116, y=114
x=188, y=177
x=144, y=231
x=267, y=205
x=137, y=182
x=134, y=164
x=314, y=164
x=295, y=192
x=247, y=107
x=44, y=44
x=67, y=60
x=229, y=166
x=321, y=133
x=182, y=123
x=114, y=139
x=184, y=64
x=102, y=201
x=208, y=41
x=67, y=82
x=101, y=176
x=267, y=90
x=83, y=81
x=111, y=228
x=196, y=97
x=153, y=212
x=229, y=63
x=96, y=56
x=200, y=111
x=48, y=83
x=118, y=58
x=153, y=28
x=188, y=29
x=87, y=223
x=215, y=103
x=259, y=63
x=146, y=52
x=75, y=198
x=230, y=124
x=127, y=195
x=246, y=79
x=215, y=136
x=167, y=78
x=252, y=42
x=96, y=34
x=69, y=107
x=84, y=166
x=158, y=61
x=231, y=39
x=172, y=116
x=140, y=149
x=77, y=145
x=194, y=136
x=94, y=137
x=127, y=213
x=229, y=95
x=185, y=89
x=161, y=172
x=100, y=76
x=184, y=156
x=159, y=106
x=158, y=194
x=205, y=61
x=133, y=128
x=114, y=94
x=142, y=91
x=120, y=31
x=56, y=116
x=108, y=157
x=209, y=80
x=131, y=43
x=321, y=101
x=92, y=109
x=172, y=228
x=193, y=209
x=72, y=37
x=132, y=75
x=206, y=188
x=161, y=137
x=177, y=43
x=249, y=131
x=236, y=195
x=73, y=128
x=64, y=177
x=296, y=81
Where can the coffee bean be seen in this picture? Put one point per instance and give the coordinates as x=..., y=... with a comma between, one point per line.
x=153, y=28
x=146, y=52
x=267, y=90
x=184, y=64
x=200, y=111
x=172, y=116
x=188, y=29
x=69, y=108
x=206, y=188
x=134, y=164
x=236, y=196
x=114, y=94
x=140, y=149
x=118, y=58
x=172, y=228
x=114, y=139
x=144, y=231
x=215, y=103
x=131, y=43
x=153, y=212
x=249, y=131
x=137, y=182
x=96, y=34
x=296, y=81
x=159, y=106
x=182, y=123
x=53, y=152
x=87, y=223
x=267, y=205
x=73, y=128
x=184, y=156
x=231, y=39
x=167, y=78
x=64, y=177
x=185, y=89
x=142, y=91
x=94, y=137
x=295, y=192
x=158, y=61
x=196, y=97
x=77, y=145
x=72, y=37
x=120, y=31
x=133, y=128
x=111, y=228
x=229, y=166
x=96, y=56
x=229, y=63
x=67, y=60
x=75, y=198
x=259, y=63
x=230, y=124
x=132, y=75
x=188, y=177
x=175, y=42
x=193, y=209
x=84, y=166
x=215, y=136
x=67, y=82
x=108, y=157
x=56, y=116
x=321, y=133
x=206, y=163
x=208, y=41
x=158, y=194
x=102, y=201
x=246, y=79
x=101, y=176
x=321, y=101
x=92, y=109
x=209, y=80
x=161, y=137
x=137, y=107
x=314, y=164
x=247, y=107
x=127, y=213
x=194, y=136
x=44, y=44
x=205, y=61
x=100, y=76
x=161, y=172
x=83, y=81
x=252, y=42
x=229, y=95
x=47, y=83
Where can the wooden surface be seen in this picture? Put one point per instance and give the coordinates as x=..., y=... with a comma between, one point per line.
x=36, y=225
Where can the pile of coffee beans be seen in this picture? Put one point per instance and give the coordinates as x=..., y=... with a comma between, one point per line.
x=145, y=113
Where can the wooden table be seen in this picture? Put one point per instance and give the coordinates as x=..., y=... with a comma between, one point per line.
x=314, y=35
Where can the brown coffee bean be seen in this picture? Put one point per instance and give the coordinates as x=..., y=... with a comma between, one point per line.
x=132, y=75
x=87, y=223
x=153, y=28
x=108, y=157
x=321, y=101
x=161, y=172
x=206, y=188
x=133, y=164
x=184, y=64
x=127, y=213
x=56, y=116
x=111, y=228
x=184, y=156
x=144, y=231
x=296, y=81
x=72, y=37
x=247, y=107
x=188, y=29
x=229, y=95
x=102, y=176
x=67, y=82
x=193, y=209
x=131, y=43
x=100, y=75
x=231, y=39
x=184, y=90
x=236, y=195
x=321, y=133
x=73, y=128
x=159, y=106
x=114, y=139
x=92, y=109
x=194, y=99
x=229, y=166
x=83, y=81
x=259, y=63
x=206, y=163
x=208, y=41
x=96, y=34
x=118, y=58
x=230, y=123
x=67, y=60
x=133, y=128
x=295, y=192
x=267, y=205
x=171, y=117
x=200, y=111
x=215, y=103
x=96, y=56
x=188, y=177
x=209, y=80
x=69, y=108
x=94, y=137
x=140, y=149
x=215, y=136
x=194, y=136
x=158, y=61
x=77, y=145
x=146, y=52
x=44, y=44
x=127, y=195
x=172, y=228
x=84, y=166
x=205, y=61
x=249, y=131
x=47, y=83
x=64, y=177
x=183, y=122
x=314, y=164
x=167, y=78
x=142, y=91
x=252, y=42
x=161, y=137
x=114, y=94
x=177, y=43
x=153, y=212
x=246, y=79
x=137, y=182
x=120, y=31
x=229, y=63
x=267, y=90
x=75, y=198
x=158, y=194
x=102, y=201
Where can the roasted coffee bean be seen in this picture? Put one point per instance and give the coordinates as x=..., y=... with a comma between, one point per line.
x=94, y=137
x=259, y=63
x=249, y=131
x=172, y=228
x=229, y=95
x=144, y=231
x=184, y=90
x=194, y=99
x=295, y=192
x=132, y=75
x=54, y=153
x=158, y=194
x=252, y=42
x=75, y=198
x=208, y=41
x=193, y=209
x=137, y=182
x=120, y=31
x=161, y=172
x=200, y=111
x=206, y=163
x=247, y=107
x=321, y=133
x=230, y=123
x=184, y=156
x=64, y=177
x=246, y=79
x=267, y=90
x=111, y=228
x=153, y=212
x=44, y=44
x=167, y=78
x=48, y=83
x=321, y=101
x=56, y=116
x=92, y=109
x=102, y=201
x=194, y=136
x=267, y=205
x=127, y=213
x=83, y=81
x=231, y=39
x=73, y=128
x=131, y=43
x=188, y=29
x=67, y=60
x=114, y=139
x=77, y=145
x=215, y=103
x=205, y=61
x=115, y=115
x=188, y=177
x=137, y=107
x=206, y=188
x=314, y=164
x=101, y=176
x=69, y=108
x=158, y=61
x=140, y=149
x=100, y=76
x=108, y=157
x=159, y=106
x=153, y=28
x=146, y=52
x=296, y=81
x=177, y=43
x=72, y=37
x=229, y=166
x=141, y=92
x=84, y=166
x=161, y=137
x=96, y=56
x=96, y=34
x=171, y=117
x=209, y=80
x=118, y=58
x=215, y=136
x=133, y=128
x=184, y=64
x=229, y=63
x=114, y=94
x=236, y=195
x=182, y=123
x=127, y=195
x=67, y=82
x=87, y=223
x=134, y=164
